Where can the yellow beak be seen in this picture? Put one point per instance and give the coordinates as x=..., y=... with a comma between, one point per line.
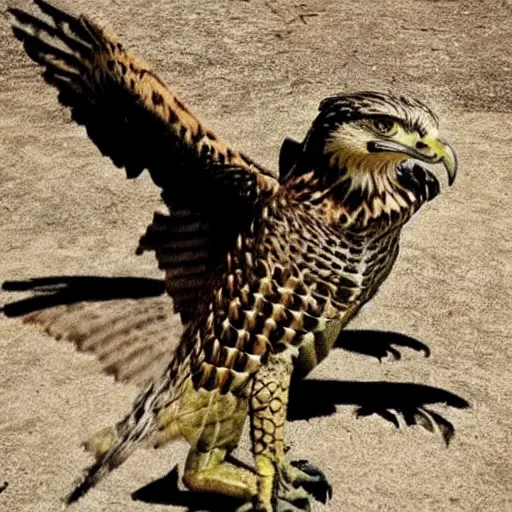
x=429, y=149
x=444, y=153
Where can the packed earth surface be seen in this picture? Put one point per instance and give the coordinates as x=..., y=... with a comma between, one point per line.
x=255, y=71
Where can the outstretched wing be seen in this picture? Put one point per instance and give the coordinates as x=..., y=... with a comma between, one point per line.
x=129, y=113
x=137, y=121
x=131, y=338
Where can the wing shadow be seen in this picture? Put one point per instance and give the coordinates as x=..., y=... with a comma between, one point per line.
x=64, y=290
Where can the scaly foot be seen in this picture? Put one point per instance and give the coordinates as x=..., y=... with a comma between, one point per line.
x=312, y=479
x=294, y=486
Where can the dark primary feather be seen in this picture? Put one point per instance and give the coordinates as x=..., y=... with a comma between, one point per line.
x=126, y=108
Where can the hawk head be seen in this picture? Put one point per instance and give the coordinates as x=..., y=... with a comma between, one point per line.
x=362, y=158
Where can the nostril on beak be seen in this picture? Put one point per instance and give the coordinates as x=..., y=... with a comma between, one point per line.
x=421, y=145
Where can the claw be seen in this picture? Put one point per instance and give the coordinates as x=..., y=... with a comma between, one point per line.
x=312, y=480
x=294, y=484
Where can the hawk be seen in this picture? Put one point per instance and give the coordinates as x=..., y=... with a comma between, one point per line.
x=264, y=272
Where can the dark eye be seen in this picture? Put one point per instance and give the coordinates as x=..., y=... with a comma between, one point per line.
x=385, y=126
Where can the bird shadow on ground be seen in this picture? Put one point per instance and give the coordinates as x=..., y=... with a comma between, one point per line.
x=54, y=291
x=392, y=401
x=406, y=403
x=379, y=344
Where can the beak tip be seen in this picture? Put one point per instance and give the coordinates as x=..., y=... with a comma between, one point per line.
x=452, y=173
x=451, y=164
x=451, y=178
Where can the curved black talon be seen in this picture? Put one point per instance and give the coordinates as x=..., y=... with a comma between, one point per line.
x=312, y=480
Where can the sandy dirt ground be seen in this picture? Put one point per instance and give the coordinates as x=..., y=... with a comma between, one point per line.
x=256, y=70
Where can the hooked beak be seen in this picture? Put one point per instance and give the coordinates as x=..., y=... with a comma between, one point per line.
x=429, y=149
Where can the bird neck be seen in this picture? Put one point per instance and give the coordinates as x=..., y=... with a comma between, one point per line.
x=365, y=202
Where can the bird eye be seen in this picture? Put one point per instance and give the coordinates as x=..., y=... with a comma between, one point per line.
x=385, y=126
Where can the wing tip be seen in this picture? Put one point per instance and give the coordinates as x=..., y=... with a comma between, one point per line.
x=55, y=12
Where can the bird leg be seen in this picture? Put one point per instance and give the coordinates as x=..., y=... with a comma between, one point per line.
x=212, y=423
x=209, y=472
x=281, y=486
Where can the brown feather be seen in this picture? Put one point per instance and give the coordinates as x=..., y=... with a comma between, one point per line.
x=134, y=340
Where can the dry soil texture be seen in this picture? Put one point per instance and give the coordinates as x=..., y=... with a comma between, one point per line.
x=256, y=70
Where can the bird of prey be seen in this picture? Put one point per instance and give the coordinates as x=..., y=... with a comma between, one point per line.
x=264, y=272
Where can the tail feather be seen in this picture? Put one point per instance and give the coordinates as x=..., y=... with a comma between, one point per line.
x=135, y=428
x=142, y=423
x=101, y=468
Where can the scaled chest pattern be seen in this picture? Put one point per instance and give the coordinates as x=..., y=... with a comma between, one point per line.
x=290, y=278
